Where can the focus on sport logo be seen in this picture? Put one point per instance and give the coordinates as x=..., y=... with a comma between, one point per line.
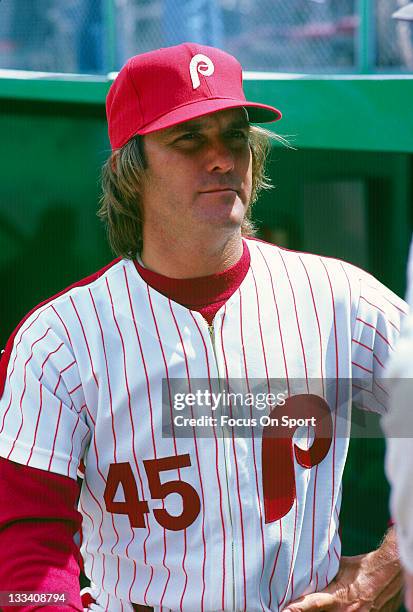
x=200, y=64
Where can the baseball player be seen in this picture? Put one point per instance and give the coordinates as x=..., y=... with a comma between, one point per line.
x=398, y=424
x=191, y=522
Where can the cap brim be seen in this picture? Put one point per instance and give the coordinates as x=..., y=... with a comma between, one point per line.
x=405, y=13
x=257, y=113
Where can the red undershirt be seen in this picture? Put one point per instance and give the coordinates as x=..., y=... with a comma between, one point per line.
x=38, y=516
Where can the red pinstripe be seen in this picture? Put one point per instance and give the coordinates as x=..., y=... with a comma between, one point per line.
x=380, y=310
x=68, y=366
x=252, y=429
x=313, y=524
x=306, y=377
x=90, y=415
x=64, y=324
x=100, y=525
x=57, y=384
x=133, y=426
x=378, y=361
x=130, y=415
x=47, y=358
x=358, y=365
x=289, y=393
x=37, y=424
x=292, y=554
x=118, y=570
x=41, y=402
x=131, y=419
x=371, y=392
x=81, y=445
x=55, y=435
x=84, y=512
x=260, y=328
x=110, y=407
x=99, y=471
x=404, y=312
x=174, y=441
x=322, y=380
x=107, y=374
x=329, y=561
x=23, y=392
x=197, y=457
x=375, y=382
x=370, y=350
x=216, y=466
x=278, y=318
x=363, y=345
x=86, y=341
x=71, y=445
x=12, y=371
x=75, y=389
x=348, y=283
x=297, y=319
x=335, y=414
x=376, y=330
x=236, y=468
x=274, y=566
x=318, y=324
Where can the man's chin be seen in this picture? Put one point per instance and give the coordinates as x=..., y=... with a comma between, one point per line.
x=228, y=214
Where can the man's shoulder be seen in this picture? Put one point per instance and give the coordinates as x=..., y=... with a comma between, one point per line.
x=311, y=262
x=50, y=313
x=322, y=271
x=79, y=287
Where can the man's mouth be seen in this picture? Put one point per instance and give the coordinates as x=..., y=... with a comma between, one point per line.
x=220, y=189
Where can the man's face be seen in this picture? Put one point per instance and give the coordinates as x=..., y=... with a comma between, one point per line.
x=198, y=176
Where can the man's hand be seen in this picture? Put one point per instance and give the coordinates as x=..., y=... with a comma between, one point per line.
x=366, y=582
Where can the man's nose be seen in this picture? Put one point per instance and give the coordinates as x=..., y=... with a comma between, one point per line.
x=220, y=157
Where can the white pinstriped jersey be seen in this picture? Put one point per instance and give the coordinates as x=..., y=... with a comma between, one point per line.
x=197, y=523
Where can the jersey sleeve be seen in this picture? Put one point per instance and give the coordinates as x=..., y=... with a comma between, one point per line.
x=379, y=317
x=398, y=427
x=42, y=406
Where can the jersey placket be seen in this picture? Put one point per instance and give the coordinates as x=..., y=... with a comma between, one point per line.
x=214, y=331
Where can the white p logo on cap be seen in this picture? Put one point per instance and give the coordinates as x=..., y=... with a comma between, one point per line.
x=201, y=64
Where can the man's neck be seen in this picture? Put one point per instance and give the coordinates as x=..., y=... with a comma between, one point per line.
x=182, y=258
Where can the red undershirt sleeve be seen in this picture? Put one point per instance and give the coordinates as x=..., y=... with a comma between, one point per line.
x=38, y=521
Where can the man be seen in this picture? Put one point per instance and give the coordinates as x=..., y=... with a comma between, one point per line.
x=191, y=522
x=398, y=424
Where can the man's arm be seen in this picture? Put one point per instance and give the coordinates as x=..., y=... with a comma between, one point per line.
x=38, y=520
x=372, y=581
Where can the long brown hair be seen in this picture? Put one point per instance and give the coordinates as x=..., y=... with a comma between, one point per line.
x=122, y=174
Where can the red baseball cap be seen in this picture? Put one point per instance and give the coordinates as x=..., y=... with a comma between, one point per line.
x=162, y=88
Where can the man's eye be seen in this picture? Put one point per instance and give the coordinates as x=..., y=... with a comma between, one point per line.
x=189, y=136
x=239, y=134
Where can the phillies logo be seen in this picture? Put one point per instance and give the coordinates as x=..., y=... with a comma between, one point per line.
x=201, y=64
